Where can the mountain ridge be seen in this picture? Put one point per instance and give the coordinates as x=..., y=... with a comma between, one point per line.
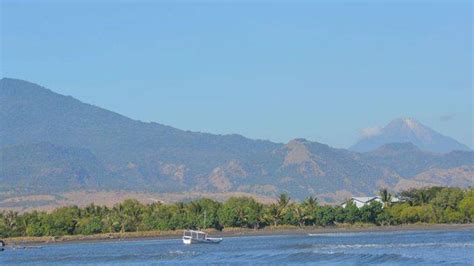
x=112, y=152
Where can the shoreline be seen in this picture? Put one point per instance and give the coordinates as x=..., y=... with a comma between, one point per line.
x=230, y=232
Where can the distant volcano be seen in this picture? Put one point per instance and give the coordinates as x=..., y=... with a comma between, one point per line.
x=409, y=130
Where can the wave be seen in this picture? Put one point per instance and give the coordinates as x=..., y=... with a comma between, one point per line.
x=395, y=232
x=346, y=258
x=89, y=258
x=390, y=245
x=340, y=234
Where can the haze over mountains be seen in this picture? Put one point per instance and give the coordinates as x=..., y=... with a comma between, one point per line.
x=52, y=144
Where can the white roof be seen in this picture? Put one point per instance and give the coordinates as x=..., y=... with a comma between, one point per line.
x=195, y=231
x=364, y=199
x=395, y=199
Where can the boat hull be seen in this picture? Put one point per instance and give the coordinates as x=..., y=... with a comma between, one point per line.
x=189, y=241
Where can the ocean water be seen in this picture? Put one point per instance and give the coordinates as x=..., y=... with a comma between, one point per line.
x=389, y=248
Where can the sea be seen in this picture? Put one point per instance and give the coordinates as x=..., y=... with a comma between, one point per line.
x=427, y=247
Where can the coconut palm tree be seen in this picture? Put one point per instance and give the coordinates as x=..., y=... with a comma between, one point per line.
x=133, y=213
x=119, y=216
x=385, y=196
x=423, y=197
x=276, y=211
x=10, y=219
x=299, y=213
x=310, y=205
x=272, y=214
x=283, y=201
x=311, y=202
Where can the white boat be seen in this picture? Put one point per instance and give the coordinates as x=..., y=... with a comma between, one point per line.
x=195, y=237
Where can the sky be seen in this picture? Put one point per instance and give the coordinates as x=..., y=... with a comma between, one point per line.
x=327, y=71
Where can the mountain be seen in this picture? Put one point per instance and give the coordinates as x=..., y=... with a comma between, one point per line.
x=137, y=155
x=407, y=160
x=53, y=145
x=45, y=167
x=409, y=130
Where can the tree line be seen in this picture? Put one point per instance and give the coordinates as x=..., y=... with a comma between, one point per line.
x=427, y=205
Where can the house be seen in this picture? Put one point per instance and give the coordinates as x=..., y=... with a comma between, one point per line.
x=362, y=201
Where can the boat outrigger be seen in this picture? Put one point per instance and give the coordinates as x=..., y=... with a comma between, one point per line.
x=195, y=237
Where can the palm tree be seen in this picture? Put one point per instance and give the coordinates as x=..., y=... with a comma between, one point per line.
x=385, y=196
x=299, y=213
x=277, y=210
x=423, y=197
x=180, y=206
x=273, y=214
x=195, y=208
x=10, y=219
x=241, y=217
x=133, y=213
x=119, y=213
x=311, y=202
x=91, y=210
x=283, y=201
x=309, y=206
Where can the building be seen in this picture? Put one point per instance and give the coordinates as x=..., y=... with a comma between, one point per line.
x=362, y=201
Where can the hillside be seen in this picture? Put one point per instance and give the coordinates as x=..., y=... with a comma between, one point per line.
x=55, y=144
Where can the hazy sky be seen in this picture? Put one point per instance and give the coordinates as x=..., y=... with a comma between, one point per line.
x=271, y=70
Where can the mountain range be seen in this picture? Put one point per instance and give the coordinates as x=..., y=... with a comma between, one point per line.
x=52, y=144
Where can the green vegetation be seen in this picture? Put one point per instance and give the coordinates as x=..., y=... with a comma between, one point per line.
x=430, y=205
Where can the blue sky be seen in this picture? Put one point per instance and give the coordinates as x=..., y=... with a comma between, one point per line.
x=321, y=70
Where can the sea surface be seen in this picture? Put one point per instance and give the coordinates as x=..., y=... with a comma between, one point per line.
x=390, y=248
